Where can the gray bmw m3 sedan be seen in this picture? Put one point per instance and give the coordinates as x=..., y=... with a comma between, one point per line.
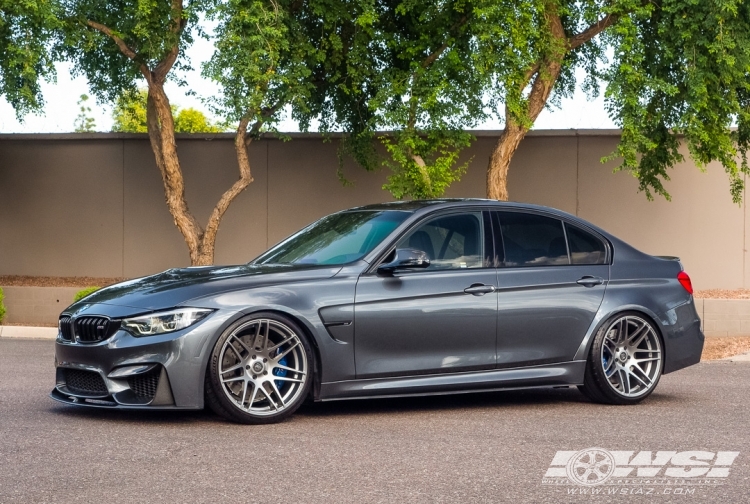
x=407, y=298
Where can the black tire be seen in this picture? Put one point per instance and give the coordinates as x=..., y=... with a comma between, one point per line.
x=600, y=388
x=224, y=400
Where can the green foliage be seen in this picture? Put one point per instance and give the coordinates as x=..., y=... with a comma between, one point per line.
x=673, y=73
x=26, y=29
x=84, y=123
x=404, y=66
x=190, y=120
x=129, y=112
x=671, y=70
x=84, y=292
x=152, y=29
x=682, y=70
x=426, y=179
x=2, y=305
x=129, y=116
x=261, y=61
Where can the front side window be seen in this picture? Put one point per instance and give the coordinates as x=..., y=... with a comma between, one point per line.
x=336, y=239
x=451, y=242
x=532, y=240
x=585, y=248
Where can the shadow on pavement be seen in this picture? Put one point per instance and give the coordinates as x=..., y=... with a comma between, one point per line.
x=533, y=398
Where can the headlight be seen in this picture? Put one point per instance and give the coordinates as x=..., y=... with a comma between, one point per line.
x=164, y=322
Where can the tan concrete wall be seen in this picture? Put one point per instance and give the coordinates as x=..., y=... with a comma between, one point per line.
x=36, y=305
x=93, y=205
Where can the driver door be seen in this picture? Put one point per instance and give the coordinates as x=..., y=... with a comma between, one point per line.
x=434, y=320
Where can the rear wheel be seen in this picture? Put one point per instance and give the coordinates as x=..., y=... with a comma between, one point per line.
x=259, y=370
x=625, y=361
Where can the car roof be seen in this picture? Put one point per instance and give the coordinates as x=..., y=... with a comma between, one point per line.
x=423, y=206
x=433, y=204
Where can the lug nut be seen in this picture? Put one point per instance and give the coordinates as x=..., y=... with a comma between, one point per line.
x=253, y=356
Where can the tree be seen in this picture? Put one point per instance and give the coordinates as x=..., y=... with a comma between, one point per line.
x=190, y=120
x=129, y=116
x=671, y=71
x=118, y=44
x=677, y=68
x=84, y=123
x=261, y=64
x=129, y=112
x=402, y=66
x=26, y=30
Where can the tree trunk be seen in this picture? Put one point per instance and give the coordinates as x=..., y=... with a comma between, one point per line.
x=201, y=244
x=497, y=171
x=161, y=135
x=160, y=122
x=545, y=75
x=208, y=243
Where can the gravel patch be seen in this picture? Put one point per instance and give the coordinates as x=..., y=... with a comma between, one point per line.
x=721, y=347
x=722, y=294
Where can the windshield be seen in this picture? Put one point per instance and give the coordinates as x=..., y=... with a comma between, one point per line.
x=336, y=239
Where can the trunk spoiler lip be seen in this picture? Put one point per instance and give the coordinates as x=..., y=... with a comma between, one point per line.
x=672, y=258
x=669, y=258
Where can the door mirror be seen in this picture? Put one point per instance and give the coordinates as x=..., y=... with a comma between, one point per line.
x=405, y=259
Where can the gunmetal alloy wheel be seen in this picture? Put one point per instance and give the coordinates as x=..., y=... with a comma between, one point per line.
x=260, y=370
x=625, y=361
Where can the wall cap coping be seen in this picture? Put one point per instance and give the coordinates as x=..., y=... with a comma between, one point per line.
x=295, y=135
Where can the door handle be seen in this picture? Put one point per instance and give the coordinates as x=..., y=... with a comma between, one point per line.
x=590, y=281
x=479, y=289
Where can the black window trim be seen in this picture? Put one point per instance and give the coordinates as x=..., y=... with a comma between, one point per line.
x=496, y=223
x=372, y=269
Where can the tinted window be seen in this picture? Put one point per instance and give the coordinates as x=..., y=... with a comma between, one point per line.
x=336, y=239
x=451, y=242
x=532, y=240
x=585, y=248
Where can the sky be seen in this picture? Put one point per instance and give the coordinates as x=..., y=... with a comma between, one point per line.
x=61, y=107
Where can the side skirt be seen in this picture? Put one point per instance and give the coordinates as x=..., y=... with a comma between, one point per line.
x=549, y=375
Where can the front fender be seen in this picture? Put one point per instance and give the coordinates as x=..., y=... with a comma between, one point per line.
x=301, y=301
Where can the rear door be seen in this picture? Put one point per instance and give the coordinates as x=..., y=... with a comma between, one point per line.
x=551, y=283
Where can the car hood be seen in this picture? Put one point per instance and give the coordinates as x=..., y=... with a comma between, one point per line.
x=176, y=287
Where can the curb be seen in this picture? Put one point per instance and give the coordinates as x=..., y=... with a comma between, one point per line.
x=26, y=332
x=745, y=357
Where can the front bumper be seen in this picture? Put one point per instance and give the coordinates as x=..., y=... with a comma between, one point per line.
x=155, y=372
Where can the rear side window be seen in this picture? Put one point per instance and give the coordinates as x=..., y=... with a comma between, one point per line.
x=585, y=248
x=532, y=240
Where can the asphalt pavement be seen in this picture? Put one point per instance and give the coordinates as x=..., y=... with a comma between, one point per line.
x=491, y=447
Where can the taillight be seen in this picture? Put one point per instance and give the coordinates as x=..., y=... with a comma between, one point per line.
x=684, y=280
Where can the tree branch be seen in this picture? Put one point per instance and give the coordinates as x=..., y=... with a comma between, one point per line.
x=592, y=31
x=246, y=178
x=124, y=48
x=265, y=113
x=436, y=54
x=178, y=24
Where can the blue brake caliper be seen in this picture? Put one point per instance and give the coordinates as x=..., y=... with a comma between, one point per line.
x=280, y=372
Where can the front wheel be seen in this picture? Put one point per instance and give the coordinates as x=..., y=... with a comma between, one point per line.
x=259, y=370
x=625, y=361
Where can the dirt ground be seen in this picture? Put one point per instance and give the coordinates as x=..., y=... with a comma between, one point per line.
x=41, y=281
x=722, y=294
x=722, y=347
